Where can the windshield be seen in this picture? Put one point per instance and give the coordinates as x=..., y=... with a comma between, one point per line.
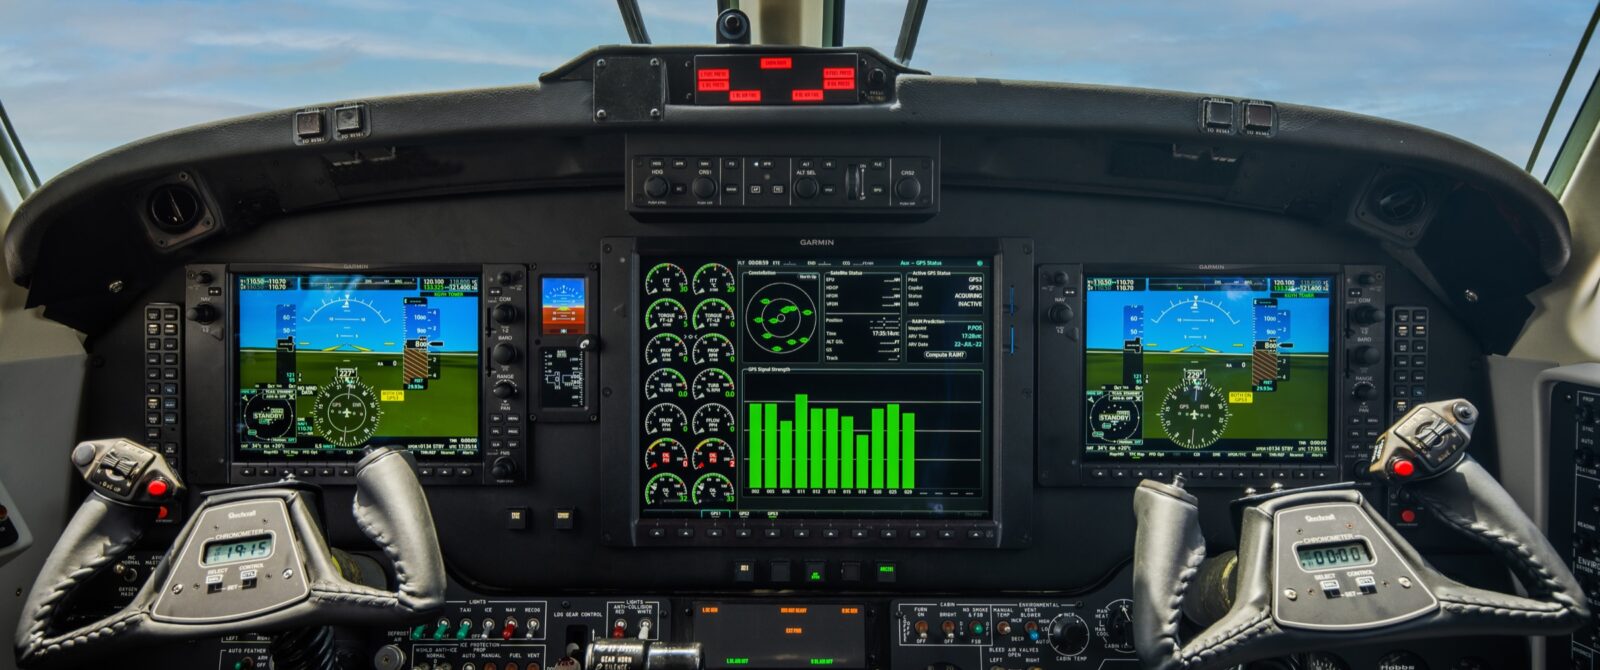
x=82, y=77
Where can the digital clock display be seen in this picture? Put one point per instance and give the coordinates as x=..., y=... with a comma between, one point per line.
x=1330, y=555
x=221, y=552
x=795, y=79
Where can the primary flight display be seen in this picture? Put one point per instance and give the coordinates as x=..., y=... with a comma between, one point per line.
x=1203, y=368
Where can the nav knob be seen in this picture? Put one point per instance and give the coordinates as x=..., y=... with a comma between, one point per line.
x=656, y=186
x=908, y=188
x=806, y=187
x=1059, y=313
x=1366, y=315
x=703, y=187
x=504, y=353
x=504, y=313
x=503, y=468
x=504, y=389
x=1365, y=356
x=202, y=313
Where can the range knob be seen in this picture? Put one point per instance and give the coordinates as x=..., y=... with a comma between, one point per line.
x=1363, y=391
x=504, y=353
x=1069, y=635
x=656, y=186
x=1366, y=315
x=503, y=389
x=703, y=187
x=1365, y=356
x=1059, y=314
x=202, y=313
x=806, y=188
x=503, y=468
x=908, y=188
x=504, y=313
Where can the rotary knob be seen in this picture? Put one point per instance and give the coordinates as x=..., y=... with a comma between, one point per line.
x=504, y=313
x=503, y=468
x=806, y=188
x=202, y=313
x=656, y=186
x=1069, y=635
x=908, y=188
x=1365, y=356
x=504, y=353
x=1366, y=315
x=703, y=187
x=504, y=389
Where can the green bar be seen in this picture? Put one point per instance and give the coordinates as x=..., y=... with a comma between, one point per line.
x=877, y=448
x=832, y=422
x=847, y=434
x=817, y=458
x=755, y=445
x=893, y=460
x=908, y=450
x=863, y=461
x=801, y=441
x=786, y=454
x=769, y=436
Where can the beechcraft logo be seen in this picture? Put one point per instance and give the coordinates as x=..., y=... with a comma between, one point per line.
x=815, y=242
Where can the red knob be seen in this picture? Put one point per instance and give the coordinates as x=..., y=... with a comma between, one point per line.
x=1402, y=467
x=509, y=630
x=1408, y=515
x=157, y=488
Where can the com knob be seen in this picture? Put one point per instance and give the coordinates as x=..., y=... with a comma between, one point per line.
x=656, y=186
x=703, y=188
x=806, y=188
x=1069, y=635
x=1365, y=356
x=201, y=313
x=908, y=188
x=1366, y=315
x=504, y=313
x=504, y=353
x=503, y=389
x=503, y=468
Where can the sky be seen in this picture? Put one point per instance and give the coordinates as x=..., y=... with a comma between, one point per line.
x=85, y=76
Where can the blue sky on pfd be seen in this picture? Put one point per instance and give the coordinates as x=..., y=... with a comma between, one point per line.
x=82, y=77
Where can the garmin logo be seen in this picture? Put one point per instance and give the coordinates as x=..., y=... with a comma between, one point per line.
x=241, y=515
x=815, y=242
x=1320, y=517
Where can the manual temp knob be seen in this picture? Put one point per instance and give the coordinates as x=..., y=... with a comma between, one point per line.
x=504, y=389
x=504, y=313
x=504, y=353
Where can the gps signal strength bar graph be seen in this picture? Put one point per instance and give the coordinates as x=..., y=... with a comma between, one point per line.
x=820, y=448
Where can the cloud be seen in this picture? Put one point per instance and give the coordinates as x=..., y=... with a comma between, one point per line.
x=373, y=46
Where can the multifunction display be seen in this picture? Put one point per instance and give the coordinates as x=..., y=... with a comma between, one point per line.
x=330, y=363
x=1201, y=369
x=796, y=388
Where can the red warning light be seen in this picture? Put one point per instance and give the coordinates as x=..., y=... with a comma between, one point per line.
x=838, y=73
x=783, y=63
x=712, y=85
x=744, y=95
x=713, y=73
x=806, y=95
x=838, y=84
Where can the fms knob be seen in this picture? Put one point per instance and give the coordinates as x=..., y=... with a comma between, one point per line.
x=1365, y=356
x=1366, y=315
x=504, y=313
x=503, y=468
x=503, y=389
x=504, y=353
x=202, y=313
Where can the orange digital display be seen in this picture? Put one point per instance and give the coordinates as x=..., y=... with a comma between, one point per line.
x=799, y=79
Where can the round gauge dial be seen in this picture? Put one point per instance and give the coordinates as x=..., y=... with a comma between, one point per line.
x=665, y=489
x=665, y=313
x=1068, y=634
x=665, y=278
x=664, y=418
x=665, y=452
x=1194, y=414
x=713, y=452
x=713, y=314
x=1113, y=418
x=712, y=384
x=1115, y=624
x=666, y=349
x=346, y=412
x=666, y=384
x=781, y=318
x=714, y=488
x=712, y=418
x=713, y=349
x=269, y=414
x=1321, y=660
x=712, y=279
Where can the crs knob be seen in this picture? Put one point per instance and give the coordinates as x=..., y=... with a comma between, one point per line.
x=201, y=313
x=908, y=188
x=503, y=468
x=806, y=188
x=504, y=313
x=1366, y=315
x=504, y=353
x=703, y=187
x=504, y=389
x=1365, y=356
x=656, y=186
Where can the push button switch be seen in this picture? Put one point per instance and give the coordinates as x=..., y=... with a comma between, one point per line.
x=308, y=125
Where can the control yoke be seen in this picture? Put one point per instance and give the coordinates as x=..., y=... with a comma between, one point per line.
x=250, y=559
x=1321, y=568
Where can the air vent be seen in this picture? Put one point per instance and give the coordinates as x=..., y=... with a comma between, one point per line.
x=174, y=208
x=1399, y=202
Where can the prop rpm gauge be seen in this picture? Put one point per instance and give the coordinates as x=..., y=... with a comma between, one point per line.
x=1194, y=414
x=712, y=452
x=714, y=488
x=346, y=412
x=666, y=489
x=665, y=452
x=1113, y=418
x=666, y=349
x=713, y=349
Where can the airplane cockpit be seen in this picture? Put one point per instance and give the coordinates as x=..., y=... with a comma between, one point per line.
x=774, y=352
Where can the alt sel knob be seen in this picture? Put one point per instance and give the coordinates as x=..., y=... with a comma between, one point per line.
x=805, y=188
